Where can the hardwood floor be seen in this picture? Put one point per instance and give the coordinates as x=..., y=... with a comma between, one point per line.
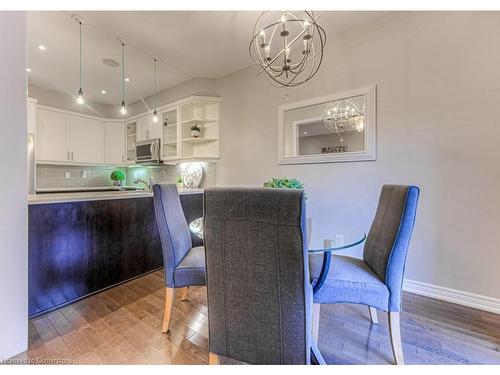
x=123, y=326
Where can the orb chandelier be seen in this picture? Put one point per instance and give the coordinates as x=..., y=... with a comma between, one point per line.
x=288, y=46
x=344, y=115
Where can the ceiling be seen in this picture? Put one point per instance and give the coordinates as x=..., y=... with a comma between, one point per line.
x=189, y=44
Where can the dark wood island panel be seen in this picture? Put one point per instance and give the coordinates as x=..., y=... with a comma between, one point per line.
x=79, y=248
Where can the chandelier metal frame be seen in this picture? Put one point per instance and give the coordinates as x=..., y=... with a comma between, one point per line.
x=288, y=73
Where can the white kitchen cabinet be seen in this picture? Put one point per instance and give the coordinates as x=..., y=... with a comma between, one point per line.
x=52, y=136
x=86, y=140
x=143, y=129
x=114, y=143
x=147, y=129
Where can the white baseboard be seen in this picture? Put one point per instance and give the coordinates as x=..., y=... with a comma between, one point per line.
x=459, y=297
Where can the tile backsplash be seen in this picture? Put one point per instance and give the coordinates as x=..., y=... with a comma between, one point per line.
x=54, y=176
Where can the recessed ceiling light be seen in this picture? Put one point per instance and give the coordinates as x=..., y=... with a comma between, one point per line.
x=41, y=47
x=110, y=62
x=103, y=92
x=28, y=70
x=127, y=79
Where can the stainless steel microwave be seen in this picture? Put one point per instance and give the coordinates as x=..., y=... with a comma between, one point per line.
x=148, y=152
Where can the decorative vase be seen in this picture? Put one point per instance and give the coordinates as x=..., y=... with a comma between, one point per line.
x=180, y=185
x=117, y=183
x=195, y=133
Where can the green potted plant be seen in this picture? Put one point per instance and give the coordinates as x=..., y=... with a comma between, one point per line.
x=117, y=176
x=180, y=184
x=195, y=130
x=284, y=183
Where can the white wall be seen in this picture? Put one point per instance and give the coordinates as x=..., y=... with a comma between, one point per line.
x=438, y=93
x=13, y=190
x=66, y=101
x=194, y=86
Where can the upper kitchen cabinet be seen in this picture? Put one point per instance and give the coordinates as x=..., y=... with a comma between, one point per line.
x=86, y=137
x=114, y=143
x=64, y=137
x=170, y=133
x=147, y=128
x=52, y=136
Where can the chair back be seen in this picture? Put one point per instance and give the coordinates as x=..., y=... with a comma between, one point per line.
x=387, y=243
x=175, y=237
x=259, y=295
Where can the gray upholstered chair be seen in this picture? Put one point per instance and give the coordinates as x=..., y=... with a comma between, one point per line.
x=259, y=291
x=376, y=280
x=184, y=265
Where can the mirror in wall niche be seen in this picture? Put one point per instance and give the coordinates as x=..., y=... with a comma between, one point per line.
x=334, y=128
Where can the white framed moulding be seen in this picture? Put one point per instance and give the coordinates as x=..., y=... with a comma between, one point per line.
x=303, y=139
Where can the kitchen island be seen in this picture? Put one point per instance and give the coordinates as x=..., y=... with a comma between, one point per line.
x=81, y=243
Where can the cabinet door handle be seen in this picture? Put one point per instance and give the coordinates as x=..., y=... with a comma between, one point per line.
x=68, y=156
x=71, y=155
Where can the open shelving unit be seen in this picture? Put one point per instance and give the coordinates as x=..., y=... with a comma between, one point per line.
x=205, y=114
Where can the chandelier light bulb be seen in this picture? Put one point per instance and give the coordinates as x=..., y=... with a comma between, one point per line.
x=262, y=38
x=123, y=109
x=155, y=116
x=267, y=51
x=283, y=18
x=79, y=99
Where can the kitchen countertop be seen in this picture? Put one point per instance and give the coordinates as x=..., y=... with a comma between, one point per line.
x=95, y=196
x=85, y=188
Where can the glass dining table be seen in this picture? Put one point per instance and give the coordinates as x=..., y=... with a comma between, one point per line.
x=340, y=237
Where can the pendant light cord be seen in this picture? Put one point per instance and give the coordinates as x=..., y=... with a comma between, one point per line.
x=123, y=72
x=155, y=84
x=80, y=26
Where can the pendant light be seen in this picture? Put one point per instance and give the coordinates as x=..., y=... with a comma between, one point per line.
x=123, y=109
x=79, y=99
x=155, y=114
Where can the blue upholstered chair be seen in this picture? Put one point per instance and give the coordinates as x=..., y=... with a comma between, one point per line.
x=259, y=291
x=184, y=265
x=376, y=280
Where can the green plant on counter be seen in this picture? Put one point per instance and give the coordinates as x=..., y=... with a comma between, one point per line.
x=117, y=175
x=179, y=179
x=284, y=183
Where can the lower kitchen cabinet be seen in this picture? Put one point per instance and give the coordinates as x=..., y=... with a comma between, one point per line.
x=79, y=248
